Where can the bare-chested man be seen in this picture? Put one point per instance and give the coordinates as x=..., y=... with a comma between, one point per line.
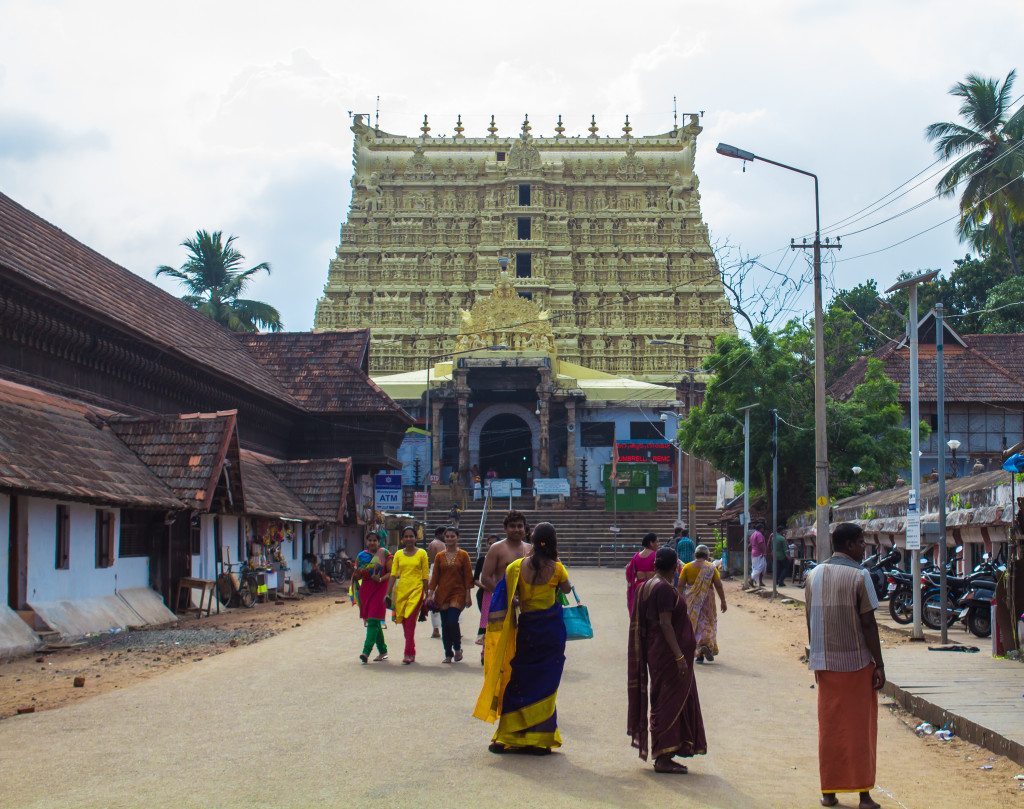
x=502, y=553
x=499, y=556
x=433, y=549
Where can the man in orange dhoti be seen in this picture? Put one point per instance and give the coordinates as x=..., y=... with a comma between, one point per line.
x=846, y=658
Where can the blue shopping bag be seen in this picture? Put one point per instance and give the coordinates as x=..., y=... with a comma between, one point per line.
x=577, y=620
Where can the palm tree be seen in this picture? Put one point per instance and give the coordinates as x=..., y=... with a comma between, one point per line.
x=989, y=147
x=213, y=276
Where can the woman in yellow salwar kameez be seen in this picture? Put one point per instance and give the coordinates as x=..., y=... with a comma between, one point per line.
x=522, y=674
x=409, y=572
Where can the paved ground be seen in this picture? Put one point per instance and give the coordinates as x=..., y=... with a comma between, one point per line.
x=295, y=721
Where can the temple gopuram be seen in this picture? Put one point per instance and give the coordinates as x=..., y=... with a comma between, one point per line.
x=604, y=234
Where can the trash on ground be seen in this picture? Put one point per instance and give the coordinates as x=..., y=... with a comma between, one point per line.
x=924, y=729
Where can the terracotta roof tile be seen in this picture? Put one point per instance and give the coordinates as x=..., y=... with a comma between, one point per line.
x=326, y=372
x=990, y=369
x=48, y=257
x=187, y=452
x=53, y=446
x=266, y=496
x=323, y=485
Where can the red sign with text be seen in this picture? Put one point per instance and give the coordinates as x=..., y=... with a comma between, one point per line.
x=659, y=452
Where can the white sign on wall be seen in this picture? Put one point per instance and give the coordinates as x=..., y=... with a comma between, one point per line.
x=387, y=492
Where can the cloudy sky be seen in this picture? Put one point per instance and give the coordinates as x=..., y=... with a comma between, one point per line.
x=130, y=125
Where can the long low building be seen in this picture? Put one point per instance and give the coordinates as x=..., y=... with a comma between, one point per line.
x=141, y=443
x=979, y=513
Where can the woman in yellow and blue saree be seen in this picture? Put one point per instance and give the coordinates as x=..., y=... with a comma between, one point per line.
x=526, y=651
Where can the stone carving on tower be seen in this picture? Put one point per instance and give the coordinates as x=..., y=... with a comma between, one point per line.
x=604, y=233
x=505, y=318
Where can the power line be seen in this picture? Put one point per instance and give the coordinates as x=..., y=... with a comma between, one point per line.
x=847, y=219
x=929, y=229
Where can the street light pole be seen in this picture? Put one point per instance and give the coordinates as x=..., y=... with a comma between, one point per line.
x=940, y=417
x=823, y=540
x=913, y=524
x=746, y=491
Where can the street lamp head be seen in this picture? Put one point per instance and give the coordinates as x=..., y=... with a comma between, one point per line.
x=726, y=150
x=503, y=263
x=953, y=444
x=664, y=417
x=856, y=470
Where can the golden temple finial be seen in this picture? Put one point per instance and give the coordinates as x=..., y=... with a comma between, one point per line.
x=459, y=128
x=559, y=129
x=593, y=128
x=493, y=129
x=426, y=127
x=626, y=129
x=526, y=126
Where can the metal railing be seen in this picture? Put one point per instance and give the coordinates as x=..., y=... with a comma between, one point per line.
x=483, y=519
x=611, y=547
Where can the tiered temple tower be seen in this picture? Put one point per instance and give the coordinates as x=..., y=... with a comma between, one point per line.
x=605, y=234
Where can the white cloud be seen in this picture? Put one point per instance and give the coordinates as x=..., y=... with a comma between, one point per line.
x=150, y=126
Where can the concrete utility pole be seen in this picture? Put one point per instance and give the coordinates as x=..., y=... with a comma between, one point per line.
x=746, y=491
x=913, y=525
x=691, y=502
x=940, y=399
x=775, y=497
x=823, y=540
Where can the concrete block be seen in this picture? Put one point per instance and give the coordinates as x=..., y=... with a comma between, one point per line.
x=16, y=637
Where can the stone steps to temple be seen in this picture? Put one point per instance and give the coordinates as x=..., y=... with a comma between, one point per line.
x=585, y=537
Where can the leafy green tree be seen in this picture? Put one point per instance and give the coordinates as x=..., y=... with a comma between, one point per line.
x=775, y=370
x=214, y=278
x=866, y=431
x=989, y=164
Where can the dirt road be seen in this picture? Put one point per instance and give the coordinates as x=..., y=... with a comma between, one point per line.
x=295, y=721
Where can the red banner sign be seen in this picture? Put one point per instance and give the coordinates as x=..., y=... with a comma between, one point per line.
x=659, y=452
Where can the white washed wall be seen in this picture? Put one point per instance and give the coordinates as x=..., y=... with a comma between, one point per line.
x=82, y=579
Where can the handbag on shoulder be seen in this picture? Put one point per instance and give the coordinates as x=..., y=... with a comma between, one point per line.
x=577, y=620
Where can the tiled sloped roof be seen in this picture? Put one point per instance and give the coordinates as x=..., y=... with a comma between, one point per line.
x=323, y=484
x=187, y=452
x=324, y=371
x=53, y=446
x=43, y=254
x=986, y=371
x=266, y=496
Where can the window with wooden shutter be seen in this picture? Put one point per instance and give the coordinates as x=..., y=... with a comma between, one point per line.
x=62, y=560
x=104, y=538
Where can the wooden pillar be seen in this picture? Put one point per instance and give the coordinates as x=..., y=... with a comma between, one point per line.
x=435, y=435
x=463, y=437
x=570, y=444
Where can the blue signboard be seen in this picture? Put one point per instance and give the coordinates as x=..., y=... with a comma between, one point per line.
x=387, y=492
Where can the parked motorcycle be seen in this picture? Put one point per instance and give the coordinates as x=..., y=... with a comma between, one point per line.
x=899, y=586
x=982, y=578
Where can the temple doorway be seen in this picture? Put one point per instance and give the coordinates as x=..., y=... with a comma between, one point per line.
x=506, y=446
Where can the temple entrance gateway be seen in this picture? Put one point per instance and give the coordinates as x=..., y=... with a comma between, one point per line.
x=506, y=446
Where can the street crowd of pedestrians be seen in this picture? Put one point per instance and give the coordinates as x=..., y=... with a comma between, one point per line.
x=673, y=595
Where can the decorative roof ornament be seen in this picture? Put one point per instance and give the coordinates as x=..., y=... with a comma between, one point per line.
x=559, y=129
x=526, y=127
x=459, y=128
x=426, y=127
x=593, y=128
x=626, y=129
x=505, y=318
x=493, y=129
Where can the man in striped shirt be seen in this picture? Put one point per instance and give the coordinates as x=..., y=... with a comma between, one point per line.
x=846, y=658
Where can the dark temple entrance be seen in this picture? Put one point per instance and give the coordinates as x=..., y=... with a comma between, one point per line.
x=506, y=446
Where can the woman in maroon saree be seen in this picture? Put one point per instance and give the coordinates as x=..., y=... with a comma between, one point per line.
x=662, y=646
